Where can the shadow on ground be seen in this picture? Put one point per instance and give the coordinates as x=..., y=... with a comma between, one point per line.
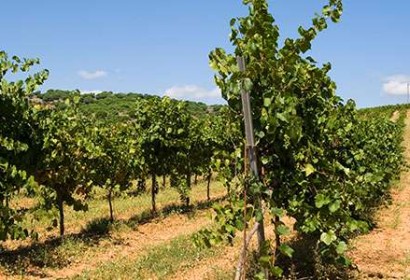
x=60, y=252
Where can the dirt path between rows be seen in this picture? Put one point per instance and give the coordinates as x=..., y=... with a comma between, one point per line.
x=136, y=242
x=395, y=116
x=227, y=260
x=385, y=252
x=130, y=244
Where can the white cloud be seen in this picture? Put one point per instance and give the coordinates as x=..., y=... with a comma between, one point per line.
x=396, y=85
x=92, y=75
x=96, y=91
x=192, y=92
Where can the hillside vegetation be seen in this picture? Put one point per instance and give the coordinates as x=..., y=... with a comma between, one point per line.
x=115, y=107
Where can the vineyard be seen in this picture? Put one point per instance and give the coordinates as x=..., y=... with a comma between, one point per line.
x=116, y=186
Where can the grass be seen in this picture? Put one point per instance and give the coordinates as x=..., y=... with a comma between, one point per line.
x=220, y=274
x=54, y=254
x=161, y=262
x=90, y=233
x=132, y=208
x=406, y=260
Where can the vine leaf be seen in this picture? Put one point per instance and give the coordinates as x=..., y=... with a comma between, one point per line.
x=286, y=250
x=341, y=247
x=282, y=230
x=309, y=169
x=328, y=237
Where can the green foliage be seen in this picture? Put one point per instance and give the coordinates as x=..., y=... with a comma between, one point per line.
x=114, y=158
x=54, y=95
x=55, y=137
x=64, y=146
x=320, y=163
x=385, y=111
x=16, y=134
x=117, y=107
x=163, y=125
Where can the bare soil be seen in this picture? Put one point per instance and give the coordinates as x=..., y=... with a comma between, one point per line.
x=395, y=116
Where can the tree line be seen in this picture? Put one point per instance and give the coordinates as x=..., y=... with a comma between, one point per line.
x=115, y=107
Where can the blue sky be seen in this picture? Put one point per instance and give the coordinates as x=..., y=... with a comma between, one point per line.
x=162, y=46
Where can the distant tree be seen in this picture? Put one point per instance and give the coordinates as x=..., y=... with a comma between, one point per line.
x=57, y=95
x=104, y=94
x=88, y=98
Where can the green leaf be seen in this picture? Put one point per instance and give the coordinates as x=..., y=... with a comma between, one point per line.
x=276, y=211
x=260, y=134
x=281, y=117
x=328, y=237
x=265, y=260
x=341, y=247
x=321, y=200
x=286, y=250
x=344, y=261
x=76, y=99
x=265, y=160
x=309, y=169
x=247, y=84
x=276, y=271
x=282, y=230
x=333, y=207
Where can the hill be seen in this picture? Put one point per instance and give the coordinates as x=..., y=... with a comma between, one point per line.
x=114, y=107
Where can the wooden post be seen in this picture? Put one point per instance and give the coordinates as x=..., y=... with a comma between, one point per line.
x=250, y=143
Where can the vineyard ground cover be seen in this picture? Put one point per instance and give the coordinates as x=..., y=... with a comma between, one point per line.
x=91, y=239
x=126, y=208
x=177, y=259
x=165, y=261
x=219, y=263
